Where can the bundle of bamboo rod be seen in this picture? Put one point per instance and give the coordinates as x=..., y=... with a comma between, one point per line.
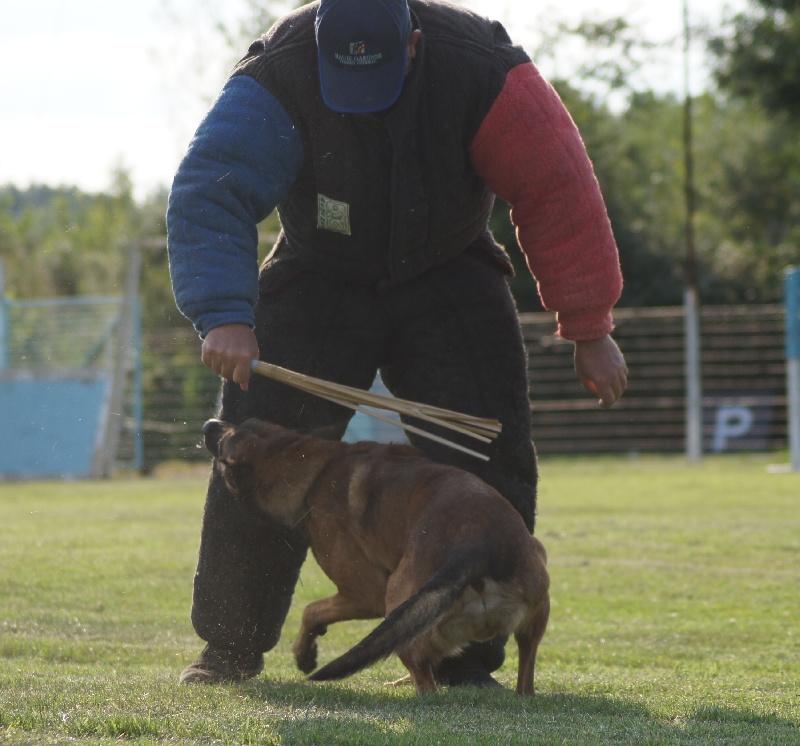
x=479, y=428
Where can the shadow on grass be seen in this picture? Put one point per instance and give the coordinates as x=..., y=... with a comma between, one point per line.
x=345, y=714
x=270, y=712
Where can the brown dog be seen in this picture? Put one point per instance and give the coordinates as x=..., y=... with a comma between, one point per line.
x=439, y=553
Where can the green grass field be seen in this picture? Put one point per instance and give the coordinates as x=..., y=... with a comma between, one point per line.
x=676, y=620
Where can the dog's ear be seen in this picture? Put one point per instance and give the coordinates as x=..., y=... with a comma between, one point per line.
x=213, y=431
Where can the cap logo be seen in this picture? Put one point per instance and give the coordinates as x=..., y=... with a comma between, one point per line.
x=358, y=56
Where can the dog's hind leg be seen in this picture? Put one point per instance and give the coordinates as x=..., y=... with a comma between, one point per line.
x=316, y=618
x=528, y=639
x=419, y=668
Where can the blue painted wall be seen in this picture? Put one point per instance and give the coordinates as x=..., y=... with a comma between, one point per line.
x=49, y=426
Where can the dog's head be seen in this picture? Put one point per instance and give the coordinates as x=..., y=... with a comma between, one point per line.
x=270, y=466
x=237, y=450
x=263, y=463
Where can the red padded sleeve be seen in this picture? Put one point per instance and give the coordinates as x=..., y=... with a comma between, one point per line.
x=530, y=153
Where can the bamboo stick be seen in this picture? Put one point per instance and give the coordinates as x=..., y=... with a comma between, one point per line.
x=391, y=403
x=408, y=428
x=479, y=428
x=326, y=392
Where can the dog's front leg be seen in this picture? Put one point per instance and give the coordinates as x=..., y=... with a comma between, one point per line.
x=316, y=618
x=305, y=645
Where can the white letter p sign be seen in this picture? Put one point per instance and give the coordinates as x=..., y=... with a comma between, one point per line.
x=731, y=422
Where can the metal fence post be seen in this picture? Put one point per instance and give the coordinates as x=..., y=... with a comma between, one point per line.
x=792, y=299
x=138, y=404
x=693, y=373
x=106, y=453
x=4, y=340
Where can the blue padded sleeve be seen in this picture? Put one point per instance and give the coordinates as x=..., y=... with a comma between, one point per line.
x=241, y=162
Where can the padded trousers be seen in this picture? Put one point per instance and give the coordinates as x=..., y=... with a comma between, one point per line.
x=450, y=338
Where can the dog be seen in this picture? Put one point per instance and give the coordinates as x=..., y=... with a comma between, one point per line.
x=432, y=548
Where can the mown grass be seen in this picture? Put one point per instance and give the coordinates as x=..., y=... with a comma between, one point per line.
x=676, y=608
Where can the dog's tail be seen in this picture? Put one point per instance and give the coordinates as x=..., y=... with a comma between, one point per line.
x=414, y=616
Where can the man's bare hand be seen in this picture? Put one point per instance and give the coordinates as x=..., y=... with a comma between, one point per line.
x=601, y=369
x=228, y=351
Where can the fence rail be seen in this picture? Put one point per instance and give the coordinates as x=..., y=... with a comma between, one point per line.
x=744, y=386
x=743, y=377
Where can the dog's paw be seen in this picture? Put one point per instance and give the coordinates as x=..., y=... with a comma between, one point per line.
x=306, y=659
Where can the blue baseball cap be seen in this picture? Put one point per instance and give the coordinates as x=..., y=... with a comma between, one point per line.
x=361, y=45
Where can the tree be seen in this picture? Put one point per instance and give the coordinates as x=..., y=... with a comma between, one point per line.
x=614, y=53
x=257, y=18
x=759, y=56
x=758, y=62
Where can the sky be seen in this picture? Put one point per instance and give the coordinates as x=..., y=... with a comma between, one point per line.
x=88, y=86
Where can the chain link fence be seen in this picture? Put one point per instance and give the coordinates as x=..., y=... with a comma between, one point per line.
x=58, y=367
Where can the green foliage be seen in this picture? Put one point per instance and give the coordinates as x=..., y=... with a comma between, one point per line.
x=254, y=18
x=617, y=46
x=674, y=609
x=59, y=241
x=749, y=189
x=758, y=55
x=49, y=241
